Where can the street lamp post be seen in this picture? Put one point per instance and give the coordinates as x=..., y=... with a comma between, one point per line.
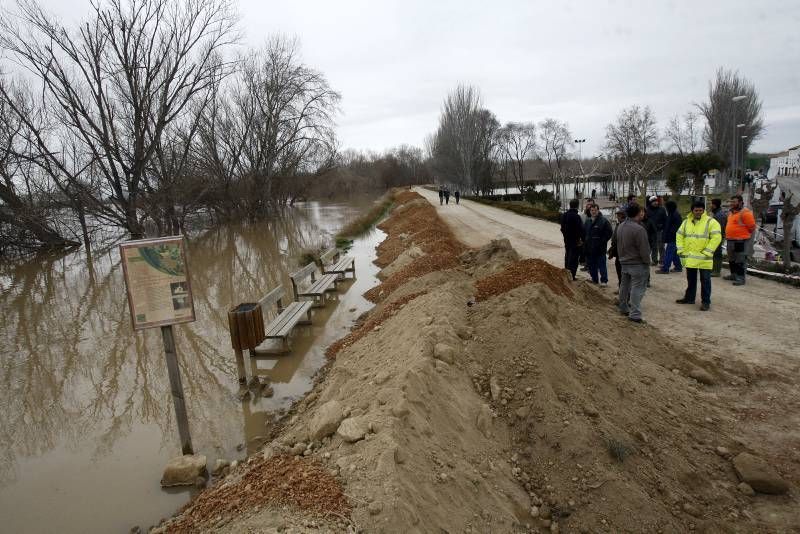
x=734, y=140
x=580, y=142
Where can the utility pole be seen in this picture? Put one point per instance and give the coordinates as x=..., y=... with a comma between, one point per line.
x=736, y=127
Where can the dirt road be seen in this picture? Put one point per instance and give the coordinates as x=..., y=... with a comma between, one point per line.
x=756, y=323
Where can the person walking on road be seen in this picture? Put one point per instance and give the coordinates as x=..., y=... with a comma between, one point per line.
x=697, y=239
x=721, y=216
x=739, y=231
x=656, y=219
x=441, y=195
x=612, y=251
x=572, y=230
x=634, y=255
x=458, y=196
x=597, y=232
x=674, y=222
x=446, y=195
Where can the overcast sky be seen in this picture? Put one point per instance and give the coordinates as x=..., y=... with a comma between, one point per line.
x=581, y=62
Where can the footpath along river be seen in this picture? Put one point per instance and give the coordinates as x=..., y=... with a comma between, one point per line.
x=86, y=417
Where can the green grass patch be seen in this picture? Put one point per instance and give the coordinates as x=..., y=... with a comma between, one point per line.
x=364, y=223
x=522, y=208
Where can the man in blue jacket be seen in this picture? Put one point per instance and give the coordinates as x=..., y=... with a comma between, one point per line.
x=597, y=232
x=674, y=221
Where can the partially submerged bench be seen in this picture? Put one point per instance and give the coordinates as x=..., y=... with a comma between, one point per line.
x=287, y=317
x=333, y=262
x=318, y=287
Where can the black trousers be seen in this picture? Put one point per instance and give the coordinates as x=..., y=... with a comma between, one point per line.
x=571, y=255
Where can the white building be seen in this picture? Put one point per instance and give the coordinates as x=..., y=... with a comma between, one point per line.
x=785, y=164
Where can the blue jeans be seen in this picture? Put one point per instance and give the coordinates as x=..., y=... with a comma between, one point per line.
x=691, y=285
x=671, y=258
x=597, y=264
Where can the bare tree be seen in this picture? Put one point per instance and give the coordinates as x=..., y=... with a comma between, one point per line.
x=462, y=143
x=22, y=209
x=518, y=141
x=120, y=79
x=722, y=114
x=555, y=139
x=683, y=135
x=633, y=144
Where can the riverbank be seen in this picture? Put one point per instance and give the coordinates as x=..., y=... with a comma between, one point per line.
x=487, y=393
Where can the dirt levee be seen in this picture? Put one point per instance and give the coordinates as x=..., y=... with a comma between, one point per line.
x=488, y=394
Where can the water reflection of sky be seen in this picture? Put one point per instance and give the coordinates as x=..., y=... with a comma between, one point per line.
x=86, y=418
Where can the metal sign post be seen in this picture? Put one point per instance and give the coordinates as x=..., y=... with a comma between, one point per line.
x=160, y=294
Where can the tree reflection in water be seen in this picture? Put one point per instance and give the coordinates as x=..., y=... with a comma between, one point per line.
x=74, y=375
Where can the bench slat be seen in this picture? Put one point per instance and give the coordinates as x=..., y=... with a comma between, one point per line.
x=283, y=324
x=319, y=287
x=300, y=275
x=271, y=298
x=328, y=255
x=345, y=264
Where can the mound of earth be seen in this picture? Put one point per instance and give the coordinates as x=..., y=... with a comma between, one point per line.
x=488, y=394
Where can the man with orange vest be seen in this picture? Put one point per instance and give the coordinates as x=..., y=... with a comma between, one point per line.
x=739, y=231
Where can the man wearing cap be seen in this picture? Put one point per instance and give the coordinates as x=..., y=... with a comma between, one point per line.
x=739, y=230
x=697, y=239
x=656, y=220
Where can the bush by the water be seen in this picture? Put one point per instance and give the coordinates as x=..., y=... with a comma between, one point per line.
x=542, y=199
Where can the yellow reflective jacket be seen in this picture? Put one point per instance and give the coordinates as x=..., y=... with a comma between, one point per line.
x=697, y=241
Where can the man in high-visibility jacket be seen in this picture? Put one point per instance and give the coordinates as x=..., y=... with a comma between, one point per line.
x=739, y=231
x=696, y=240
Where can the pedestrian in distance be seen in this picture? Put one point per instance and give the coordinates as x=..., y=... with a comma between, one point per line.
x=594, y=193
x=656, y=217
x=458, y=196
x=572, y=230
x=441, y=195
x=634, y=255
x=697, y=239
x=721, y=216
x=597, y=232
x=446, y=195
x=674, y=222
x=612, y=250
x=739, y=231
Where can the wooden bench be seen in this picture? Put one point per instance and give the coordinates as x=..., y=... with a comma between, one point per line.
x=318, y=287
x=332, y=262
x=287, y=317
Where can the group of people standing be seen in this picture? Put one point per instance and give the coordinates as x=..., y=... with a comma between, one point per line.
x=658, y=236
x=444, y=195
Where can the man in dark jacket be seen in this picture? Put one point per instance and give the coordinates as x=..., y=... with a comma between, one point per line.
x=597, y=232
x=674, y=221
x=634, y=255
x=572, y=230
x=613, y=254
x=721, y=216
x=656, y=219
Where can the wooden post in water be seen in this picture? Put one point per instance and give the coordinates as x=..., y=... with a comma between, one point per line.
x=177, y=389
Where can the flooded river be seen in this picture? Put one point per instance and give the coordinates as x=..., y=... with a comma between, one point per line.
x=86, y=416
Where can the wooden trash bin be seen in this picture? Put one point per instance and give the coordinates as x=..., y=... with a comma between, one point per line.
x=246, y=323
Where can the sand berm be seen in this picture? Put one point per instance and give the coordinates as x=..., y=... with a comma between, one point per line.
x=484, y=393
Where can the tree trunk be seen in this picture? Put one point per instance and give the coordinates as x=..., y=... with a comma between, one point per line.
x=788, y=215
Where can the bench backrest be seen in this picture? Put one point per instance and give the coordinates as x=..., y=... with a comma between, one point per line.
x=271, y=298
x=301, y=274
x=329, y=256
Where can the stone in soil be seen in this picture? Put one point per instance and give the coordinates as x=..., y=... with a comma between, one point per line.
x=352, y=429
x=702, y=376
x=443, y=352
x=183, y=470
x=326, y=420
x=759, y=475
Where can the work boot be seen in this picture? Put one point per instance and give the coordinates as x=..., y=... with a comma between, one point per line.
x=705, y=307
x=738, y=282
x=729, y=277
x=684, y=301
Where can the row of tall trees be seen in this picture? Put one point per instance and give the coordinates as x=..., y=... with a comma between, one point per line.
x=144, y=114
x=472, y=149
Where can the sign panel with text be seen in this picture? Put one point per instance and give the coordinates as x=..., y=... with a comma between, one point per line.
x=157, y=278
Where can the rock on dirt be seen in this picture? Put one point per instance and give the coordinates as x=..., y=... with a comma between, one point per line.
x=326, y=420
x=759, y=475
x=183, y=470
x=352, y=429
x=443, y=352
x=702, y=376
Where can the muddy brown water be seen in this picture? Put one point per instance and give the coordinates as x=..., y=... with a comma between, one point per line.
x=86, y=417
